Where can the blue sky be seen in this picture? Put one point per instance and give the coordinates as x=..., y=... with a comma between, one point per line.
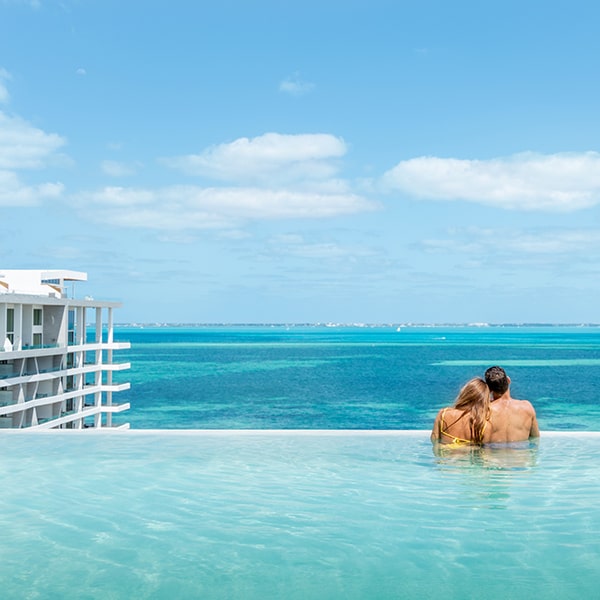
x=381, y=161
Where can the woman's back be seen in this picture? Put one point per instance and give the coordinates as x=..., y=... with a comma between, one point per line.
x=453, y=426
x=467, y=421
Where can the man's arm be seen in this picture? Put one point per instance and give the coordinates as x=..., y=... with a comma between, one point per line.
x=534, y=431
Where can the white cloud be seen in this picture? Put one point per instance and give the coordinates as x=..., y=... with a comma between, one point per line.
x=23, y=146
x=288, y=239
x=532, y=182
x=33, y=3
x=291, y=244
x=190, y=207
x=81, y=71
x=234, y=234
x=294, y=85
x=319, y=251
x=555, y=242
x=119, y=169
x=562, y=243
x=4, y=95
x=272, y=157
x=275, y=177
x=13, y=192
x=120, y=196
x=177, y=237
x=325, y=250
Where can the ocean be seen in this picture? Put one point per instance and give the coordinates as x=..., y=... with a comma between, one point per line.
x=349, y=377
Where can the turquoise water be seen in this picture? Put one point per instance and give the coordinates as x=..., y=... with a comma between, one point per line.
x=280, y=377
x=349, y=510
x=260, y=515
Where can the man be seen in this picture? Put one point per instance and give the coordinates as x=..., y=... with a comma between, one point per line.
x=512, y=420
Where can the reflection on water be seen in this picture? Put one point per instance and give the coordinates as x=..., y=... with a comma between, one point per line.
x=483, y=477
x=511, y=456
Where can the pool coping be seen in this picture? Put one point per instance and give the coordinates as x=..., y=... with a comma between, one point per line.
x=263, y=432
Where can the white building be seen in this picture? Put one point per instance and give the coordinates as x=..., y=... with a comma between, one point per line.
x=51, y=375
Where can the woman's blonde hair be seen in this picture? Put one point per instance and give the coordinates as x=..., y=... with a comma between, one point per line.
x=474, y=398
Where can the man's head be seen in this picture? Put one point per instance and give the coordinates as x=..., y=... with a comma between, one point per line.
x=497, y=380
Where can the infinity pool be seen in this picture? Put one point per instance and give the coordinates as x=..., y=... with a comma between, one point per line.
x=296, y=515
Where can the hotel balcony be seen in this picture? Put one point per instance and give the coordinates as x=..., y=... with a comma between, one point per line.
x=16, y=407
x=67, y=417
x=53, y=349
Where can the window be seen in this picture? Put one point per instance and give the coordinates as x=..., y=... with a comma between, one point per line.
x=37, y=339
x=37, y=316
x=71, y=328
x=10, y=325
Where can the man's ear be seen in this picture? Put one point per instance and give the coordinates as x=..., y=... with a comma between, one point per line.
x=507, y=377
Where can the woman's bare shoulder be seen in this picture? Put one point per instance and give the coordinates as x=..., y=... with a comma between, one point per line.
x=450, y=411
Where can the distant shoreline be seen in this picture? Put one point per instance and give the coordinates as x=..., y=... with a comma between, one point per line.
x=359, y=325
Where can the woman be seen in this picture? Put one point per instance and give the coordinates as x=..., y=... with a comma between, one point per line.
x=467, y=422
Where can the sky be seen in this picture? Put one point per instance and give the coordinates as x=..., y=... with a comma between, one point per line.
x=318, y=161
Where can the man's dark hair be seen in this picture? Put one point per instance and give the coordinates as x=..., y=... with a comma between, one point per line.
x=497, y=380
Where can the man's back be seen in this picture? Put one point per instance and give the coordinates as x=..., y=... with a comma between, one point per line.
x=512, y=420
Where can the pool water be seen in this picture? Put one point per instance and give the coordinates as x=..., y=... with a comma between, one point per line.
x=321, y=514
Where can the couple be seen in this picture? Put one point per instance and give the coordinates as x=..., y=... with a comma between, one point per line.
x=484, y=412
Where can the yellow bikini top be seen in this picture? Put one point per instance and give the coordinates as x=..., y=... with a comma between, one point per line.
x=455, y=440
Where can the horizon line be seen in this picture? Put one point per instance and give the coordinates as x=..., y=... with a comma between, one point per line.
x=345, y=324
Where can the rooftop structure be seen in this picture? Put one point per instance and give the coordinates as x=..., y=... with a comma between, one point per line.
x=54, y=372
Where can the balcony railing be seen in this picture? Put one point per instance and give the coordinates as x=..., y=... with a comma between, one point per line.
x=124, y=345
x=32, y=347
x=88, y=366
x=39, y=346
x=28, y=373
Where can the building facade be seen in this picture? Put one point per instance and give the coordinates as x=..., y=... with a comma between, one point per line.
x=56, y=354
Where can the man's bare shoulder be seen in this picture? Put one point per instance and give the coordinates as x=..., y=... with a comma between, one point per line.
x=512, y=405
x=524, y=405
